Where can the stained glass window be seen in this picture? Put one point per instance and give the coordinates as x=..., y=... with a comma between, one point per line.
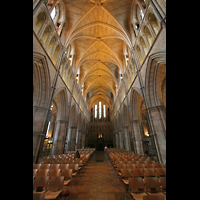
x=104, y=110
x=95, y=111
x=100, y=110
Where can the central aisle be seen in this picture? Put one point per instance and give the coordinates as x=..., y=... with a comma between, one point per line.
x=97, y=181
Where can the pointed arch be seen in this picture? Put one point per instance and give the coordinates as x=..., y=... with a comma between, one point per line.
x=154, y=64
x=41, y=81
x=61, y=99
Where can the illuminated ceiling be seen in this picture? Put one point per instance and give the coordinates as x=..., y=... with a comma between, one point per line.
x=98, y=31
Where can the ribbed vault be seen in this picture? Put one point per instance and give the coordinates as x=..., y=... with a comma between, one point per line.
x=98, y=31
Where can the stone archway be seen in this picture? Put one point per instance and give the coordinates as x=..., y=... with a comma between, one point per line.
x=61, y=101
x=135, y=110
x=155, y=92
x=41, y=97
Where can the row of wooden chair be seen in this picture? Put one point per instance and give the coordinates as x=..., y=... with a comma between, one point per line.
x=139, y=165
x=56, y=171
x=65, y=161
x=47, y=188
x=139, y=187
x=132, y=159
x=58, y=165
x=68, y=156
x=45, y=171
x=135, y=172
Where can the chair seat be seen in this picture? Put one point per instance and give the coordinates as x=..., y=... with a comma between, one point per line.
x=74, y=174
x=52, y=195
x=125, y=181
x=157, y=193
x=39, y=192
x=138, y=196
x=66, y=182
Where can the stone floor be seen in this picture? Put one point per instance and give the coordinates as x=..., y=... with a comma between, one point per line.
x=97, y=181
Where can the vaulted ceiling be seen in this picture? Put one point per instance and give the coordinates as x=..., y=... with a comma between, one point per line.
x=98, y=30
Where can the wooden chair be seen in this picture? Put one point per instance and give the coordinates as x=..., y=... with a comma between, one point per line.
x=47, y=161
x=119, y=167
x=34, y=172
x=126, y=162
x=64, y=166
x=70, y=161
x=45, y=166
x=138, y=172
x=137, y=188
x=64, y=161
x=55, y=161
x=54, y=172
x=150, y=172
x=55, y=187
x=38, y=196
x=79, y=162
x=67, y=173
x=36, y=166
x=75, y=169
x=143, y=162
x=153, y=186
x=55, y=166
x=159, y=165
x=163, y=184
x=118, y=162
x=154, y=158
x=40, y=182
x=42, y=172
x=125, y=174
x=150, y=162
x=131, y=166
x=140, y=166
x=161, y=171
x=152, y=165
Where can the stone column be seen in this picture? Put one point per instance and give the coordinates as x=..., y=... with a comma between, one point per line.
x=79, y=139
x=121, y=142
x=83, y=141
x=126, y=139
x=59, y=137
x=159, y=131
x=113, y=140
x=117, y=140
x=38, y=125
x=138, y=137
x=71, y=138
